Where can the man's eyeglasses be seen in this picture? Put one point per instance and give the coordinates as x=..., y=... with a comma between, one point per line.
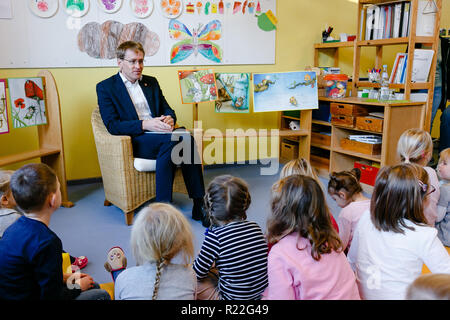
x=133, y=62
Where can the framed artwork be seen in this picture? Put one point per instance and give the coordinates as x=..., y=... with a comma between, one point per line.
x=4, y=126
x=76, y=8
x=197, y=85
x=285, y=91
x=109, y=6
x=233, y=92
x=141, y=8
x=27, y=101
x=171, y=8
x=43, y=8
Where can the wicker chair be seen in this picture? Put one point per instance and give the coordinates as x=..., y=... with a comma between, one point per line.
x=124, y=186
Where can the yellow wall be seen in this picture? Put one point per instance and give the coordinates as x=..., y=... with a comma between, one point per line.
x=300, y=23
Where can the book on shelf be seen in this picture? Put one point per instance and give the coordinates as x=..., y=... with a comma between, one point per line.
x=421, y=65
x=385, y=21
x=398, y=69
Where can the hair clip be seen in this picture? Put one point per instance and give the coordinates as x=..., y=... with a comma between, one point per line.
x=423, y=186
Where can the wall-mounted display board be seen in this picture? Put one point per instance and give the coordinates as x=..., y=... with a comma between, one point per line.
x=85, y=33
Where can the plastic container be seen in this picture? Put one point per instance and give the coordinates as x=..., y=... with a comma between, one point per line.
x=336, y=85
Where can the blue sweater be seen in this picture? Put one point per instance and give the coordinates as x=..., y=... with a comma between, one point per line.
x=31, y=263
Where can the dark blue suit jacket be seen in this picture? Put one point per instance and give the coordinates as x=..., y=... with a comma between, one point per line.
x=117, y=109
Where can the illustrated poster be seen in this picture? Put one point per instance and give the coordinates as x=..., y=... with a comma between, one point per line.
x=4, y=127
x=27, y=101
x=197, y=85
x=285, y=91
x=233, y=92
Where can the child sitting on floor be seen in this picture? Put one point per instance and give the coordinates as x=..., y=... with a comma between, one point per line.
x=443, y=206
x=159, y=233
x=9, y=214
x=306, y=261
x=416, y=146
x=303, y=167
x=432, y=286
x=232, y=263
x=31, y=253
x=392, y=240
x=345, y=189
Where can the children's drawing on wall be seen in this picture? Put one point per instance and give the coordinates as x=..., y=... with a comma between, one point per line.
x=197, y=85
x=202, y=7
x=141, y=8
x=43, y=8
x=4, y=126
x=101, y=40
x=233, y=92
x=171, y=8
x=284, y=91
x=76, y=8
x=197, y=41
x=27, y=102
x=109, y=6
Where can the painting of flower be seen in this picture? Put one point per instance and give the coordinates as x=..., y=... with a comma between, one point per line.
x=28, y=98
x=4, y=126
x=110, y=6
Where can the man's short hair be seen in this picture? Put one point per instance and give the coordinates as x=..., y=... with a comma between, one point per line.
x=128, y=45
x=31, y=185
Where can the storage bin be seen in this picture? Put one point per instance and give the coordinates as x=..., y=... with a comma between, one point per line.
x=289, y=150
x=347, y=109
x=368, y=173
x=369, y=123
x=336, y=85
x=320, y=139
x=361, y=147
x=344, y=121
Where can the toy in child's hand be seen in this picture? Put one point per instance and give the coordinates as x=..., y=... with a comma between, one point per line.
x=326, y=33
x=115, y=259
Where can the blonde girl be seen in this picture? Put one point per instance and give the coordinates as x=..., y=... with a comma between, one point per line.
x=306, y=261
x=345, y=189
x=443, y=206
x=159, y=233
x=392, y=240
x=416, y=146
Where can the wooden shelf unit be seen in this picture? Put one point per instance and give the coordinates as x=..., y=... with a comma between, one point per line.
x=398, y=116
x=51, y=148
x=300, y=138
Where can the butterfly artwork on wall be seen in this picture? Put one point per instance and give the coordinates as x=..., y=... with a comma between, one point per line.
x=197, y=41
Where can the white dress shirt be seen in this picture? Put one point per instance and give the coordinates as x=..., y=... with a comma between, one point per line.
x=137, y=96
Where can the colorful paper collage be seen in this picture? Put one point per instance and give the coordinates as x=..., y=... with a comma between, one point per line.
x=197, y=41
x=4, y=126
x=285, y=91
x=27, y=101
x=233, y=92
x=223, y=7
x=109, y=6
x=197, y=85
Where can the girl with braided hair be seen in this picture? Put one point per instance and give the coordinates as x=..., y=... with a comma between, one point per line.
x=232, y=263
x=159, y=233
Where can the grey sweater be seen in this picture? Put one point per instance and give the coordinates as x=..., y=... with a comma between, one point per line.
x=7, y=218
x=443, y=218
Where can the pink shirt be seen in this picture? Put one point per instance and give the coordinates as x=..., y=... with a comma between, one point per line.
x=430, y=206
x=348, y=219
x=295, y=275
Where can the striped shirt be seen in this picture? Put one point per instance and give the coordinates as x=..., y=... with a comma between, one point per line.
x=239, y=251
x=137, y=96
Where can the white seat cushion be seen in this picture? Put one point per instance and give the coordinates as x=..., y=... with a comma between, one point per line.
x=141, y=164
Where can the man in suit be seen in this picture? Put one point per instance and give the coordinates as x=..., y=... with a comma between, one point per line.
x=133, y=104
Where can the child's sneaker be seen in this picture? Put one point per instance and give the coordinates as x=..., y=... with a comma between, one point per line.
x=115, y=260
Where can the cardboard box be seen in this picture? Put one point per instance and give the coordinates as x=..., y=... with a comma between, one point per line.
x=369, y=123
x=289, y=150
x=347, y=109
x=320, y=139
x=341, y=120
x=361, y=147
x=368, y=173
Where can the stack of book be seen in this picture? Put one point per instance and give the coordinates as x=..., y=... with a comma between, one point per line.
x=385, y=21
x=371, y=139
x=420, y=70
